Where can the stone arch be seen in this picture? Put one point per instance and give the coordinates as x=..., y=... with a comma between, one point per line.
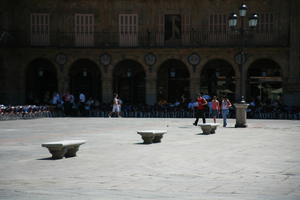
x=85, y=76
x=73, y=59
x=129, y=81
x=229, y=61
x=173, y=80
x=41, y=81
x=281, y=63
x=137, y=59
x=161, y=61
x=264, y=80
x=218, y=77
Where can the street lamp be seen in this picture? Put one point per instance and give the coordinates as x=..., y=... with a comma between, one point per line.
x=241, y=57
x=243, y=10
x=253, y=20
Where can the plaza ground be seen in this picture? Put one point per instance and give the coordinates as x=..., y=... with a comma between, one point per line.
x=254, y=163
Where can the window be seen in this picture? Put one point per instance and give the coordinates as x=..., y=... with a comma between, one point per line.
x=84, y=30
x=172, y=27
x=186, y=29
x=128, y=30
x=39, y=29
x=217, y=23
x=266, y=22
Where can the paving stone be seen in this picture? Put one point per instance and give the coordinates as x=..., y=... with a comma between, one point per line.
x=258, y=162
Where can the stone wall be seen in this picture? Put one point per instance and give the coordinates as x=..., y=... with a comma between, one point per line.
x=17, y=18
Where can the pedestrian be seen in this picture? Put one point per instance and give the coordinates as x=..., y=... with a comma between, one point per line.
x=215, y=108
x=67, y=104
x=183, y=102
x=200, y=109
x=82, y=100
x=225, y=109
x=116, y=106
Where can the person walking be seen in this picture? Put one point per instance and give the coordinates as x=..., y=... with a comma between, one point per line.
x=225, y=110
x=116, y=106
x=200, y=109
x=82, y=99
x=215, y=108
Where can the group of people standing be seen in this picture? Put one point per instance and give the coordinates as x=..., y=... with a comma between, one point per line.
x=200, y=111
x=216, y=106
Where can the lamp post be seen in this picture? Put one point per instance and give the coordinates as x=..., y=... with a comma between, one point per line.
x=241, y=58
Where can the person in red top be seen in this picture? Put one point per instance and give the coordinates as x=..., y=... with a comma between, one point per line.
x=200, y=109
x=215, y=108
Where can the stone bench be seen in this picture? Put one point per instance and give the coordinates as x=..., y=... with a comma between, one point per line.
x=152, y=136
x=209, y=128
x=65, y=148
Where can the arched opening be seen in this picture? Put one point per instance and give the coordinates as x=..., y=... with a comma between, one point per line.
x=129, y=82
x=85, y=77
x=41, y=81
x=173, y=81
x=264, y=81
x=218, y=78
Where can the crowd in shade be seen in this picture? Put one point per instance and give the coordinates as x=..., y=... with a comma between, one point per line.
x=68, y=105
x=23, y=112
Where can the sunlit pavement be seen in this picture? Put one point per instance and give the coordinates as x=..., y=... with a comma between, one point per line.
x=261, y=162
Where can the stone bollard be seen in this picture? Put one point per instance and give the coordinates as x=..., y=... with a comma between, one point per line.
x=241, y=114
x=65, y=148
x=150, y=136
x=206, y=128
x=147, y=137
x=209, y=128
x=214, y=128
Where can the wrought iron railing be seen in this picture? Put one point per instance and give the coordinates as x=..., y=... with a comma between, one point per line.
x=146, y=39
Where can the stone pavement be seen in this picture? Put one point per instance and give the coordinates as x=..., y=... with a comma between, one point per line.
x=261, y=162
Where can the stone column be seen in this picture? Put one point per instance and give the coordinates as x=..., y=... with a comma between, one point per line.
x=16, y=86
x=107, y=89
x=151, y=90
x=194, y=86
x=294, y=70
x=63, y=82
x=241, y=114
x=291, y=88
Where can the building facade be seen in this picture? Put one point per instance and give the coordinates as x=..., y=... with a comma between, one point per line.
x=147, y=50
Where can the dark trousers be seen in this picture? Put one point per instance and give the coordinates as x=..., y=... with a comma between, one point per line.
x=67, y=108
x=200, y=114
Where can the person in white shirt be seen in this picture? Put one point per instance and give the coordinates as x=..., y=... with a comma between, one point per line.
x=81, y=98
x=116, y=106
x=81, y=103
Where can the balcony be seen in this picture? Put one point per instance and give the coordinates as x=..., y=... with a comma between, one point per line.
x=148, y=39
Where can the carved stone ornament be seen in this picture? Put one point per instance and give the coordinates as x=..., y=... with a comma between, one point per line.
x=105, y=59
x=61, y=59
x=194, y=59
x=240, y=58
x=150, y=59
